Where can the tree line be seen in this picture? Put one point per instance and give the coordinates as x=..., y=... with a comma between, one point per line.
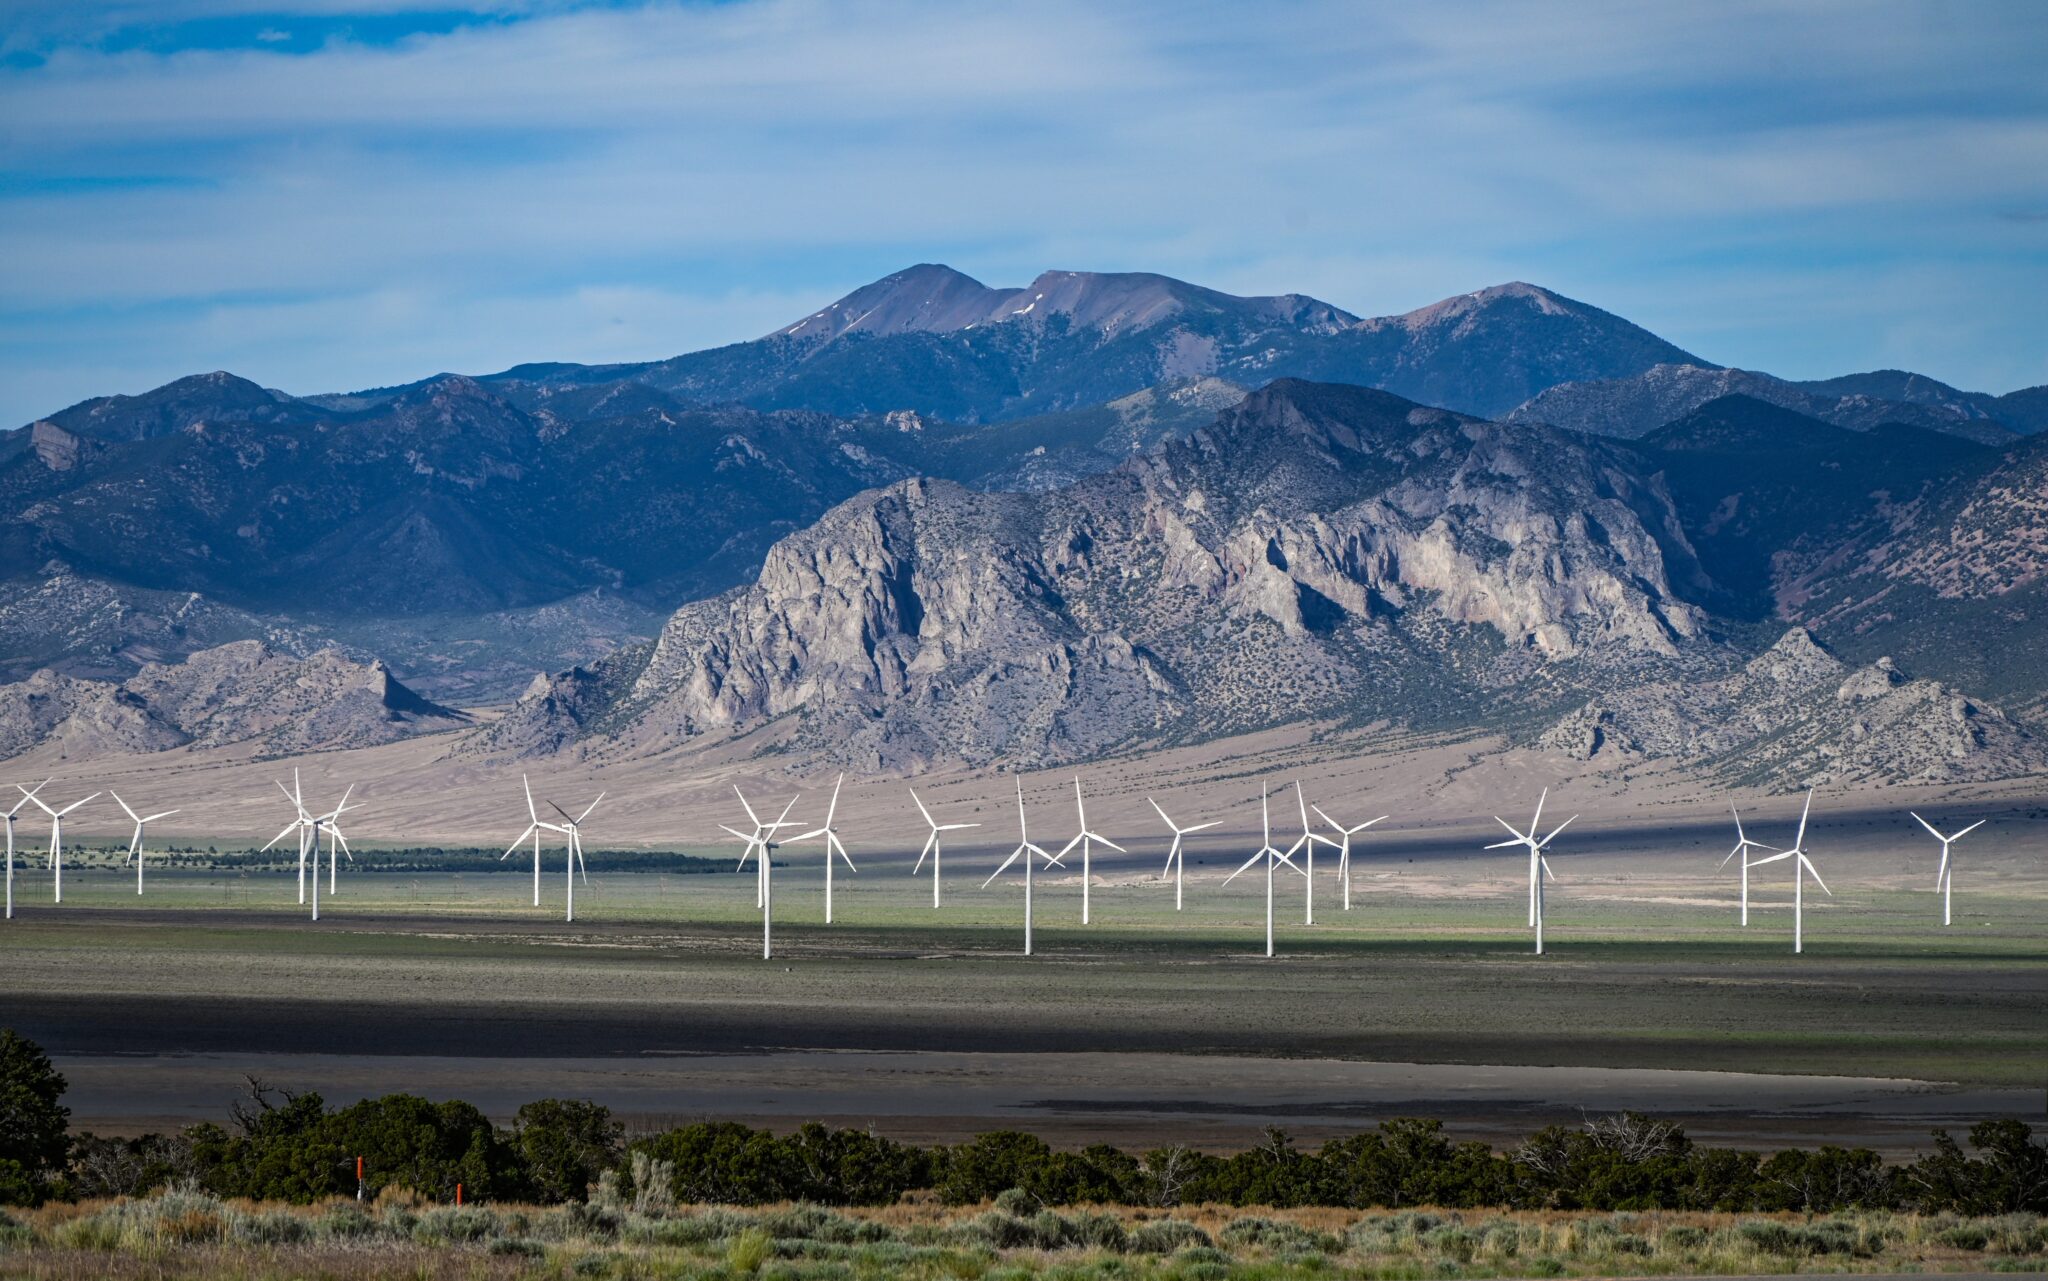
x=285, y=1146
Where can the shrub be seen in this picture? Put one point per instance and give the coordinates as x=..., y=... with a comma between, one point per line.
x=748, y=1251
x=1683, y=1240
x=345, y=1221
x=453, y=1225
x=518, y=1247
x=1016, y=1201
x=1164, y=1236
x=275, y=1228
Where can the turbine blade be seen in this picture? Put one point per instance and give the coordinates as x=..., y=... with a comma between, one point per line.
x=288, y=830
x=516, y=845
x=1202, y=827
x=1773, y=858
x=1929, y=826
x=956, y=827
x=74, y=805
x=1544, y=863
x=925, y=853
x=1326, y=818
x=531, y=812
x=1966, y=831
x=1104, y=840
x=564, y=813
x=1731, y=854
x=752, y=817
x=124, y=807
x=1559, y=828
x=834, y=843
x=1246, y=867
x=586, y=809
x=1160, y=812
x=1005, y=865
x=1511, y=829
x=1501, y=845
x=832, y=807
x=1816, y=876
x=1800, y=844
x=1070, y=845
x=151, y=818
x=921, y=809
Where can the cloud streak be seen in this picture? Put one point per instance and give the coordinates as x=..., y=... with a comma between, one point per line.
x=367, y=211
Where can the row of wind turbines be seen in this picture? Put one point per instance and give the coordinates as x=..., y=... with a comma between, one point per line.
x=760, y=843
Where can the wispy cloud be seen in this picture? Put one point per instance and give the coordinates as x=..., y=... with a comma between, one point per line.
x=389, y=191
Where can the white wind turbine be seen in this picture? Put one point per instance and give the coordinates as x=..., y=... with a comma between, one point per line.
x=534, y=827
x=1539, y=866
x=1743, y=845
x=135, y=841
x=1945, y=879
x=1307, y=846
x=1272, y=855
x=302, y=824
x=1175, y=857
x=1344, y=847
x=1084, y=838
x=931, y=843
x=761, y=844
x=1800, y=867
x=832, y=845
x=56, y=832
x=27, y=794
x=1027, y=850
x=314, y=825
x=573, y=863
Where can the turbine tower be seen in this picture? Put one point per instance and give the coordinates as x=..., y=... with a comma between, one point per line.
x=1084, y=838
x=56, y=833
x=932, y=842
x=1539, y=866
x=1800, y=867
x=534, y=827
x=1307, y=845
x=27, y=794
x=1743, y=845
x=1945, y=879
x=1175, y=858
x=832, y=845
x=1272, y=855
x=1028, y=851
x=762, y=839
x=573, y=863
x=1344, y=847
x=135, y=841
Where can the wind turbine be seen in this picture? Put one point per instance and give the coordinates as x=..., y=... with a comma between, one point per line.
x=832, y=845
x=1175, y=859
x=302, y=824
x=1945, y=879
x=1539, y=866
x=27, y=794
x=1272, y=855
x=135, y=841
x=1743, y=845
x=1084, y=838
x=334, y=839
x=1800, y=867
x=56, y=832
x=763, y=839
x=931, y=843
x=573, y=862
x=534, y=827
x=1027, y=850
x=1307, y=844
x=1344, y=847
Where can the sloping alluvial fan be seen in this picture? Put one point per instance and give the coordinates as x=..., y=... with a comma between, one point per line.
x=1318, y=551
x=235, y=693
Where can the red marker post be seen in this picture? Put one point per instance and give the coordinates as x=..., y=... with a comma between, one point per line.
x=458, y=1194
x=359, y=1179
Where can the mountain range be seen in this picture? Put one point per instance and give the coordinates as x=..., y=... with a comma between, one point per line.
x=939, y=522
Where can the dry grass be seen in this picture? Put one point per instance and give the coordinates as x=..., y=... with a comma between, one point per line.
x=182, y=1233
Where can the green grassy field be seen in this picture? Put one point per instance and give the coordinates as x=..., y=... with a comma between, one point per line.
x=1641, y=971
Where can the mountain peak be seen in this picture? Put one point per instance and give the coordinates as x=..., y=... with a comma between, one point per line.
x=933, y=298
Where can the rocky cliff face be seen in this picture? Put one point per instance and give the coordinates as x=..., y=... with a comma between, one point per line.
x=240, y=692
x=1797, y=716
x=1290, y=560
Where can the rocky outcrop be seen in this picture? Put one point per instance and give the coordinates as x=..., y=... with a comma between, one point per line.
x=240, y=692
x=1797, y=716
x=1296, y=558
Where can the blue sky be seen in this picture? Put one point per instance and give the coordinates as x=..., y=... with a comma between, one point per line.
x=329, y=194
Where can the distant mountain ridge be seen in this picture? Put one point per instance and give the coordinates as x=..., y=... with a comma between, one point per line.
x=565, y=518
